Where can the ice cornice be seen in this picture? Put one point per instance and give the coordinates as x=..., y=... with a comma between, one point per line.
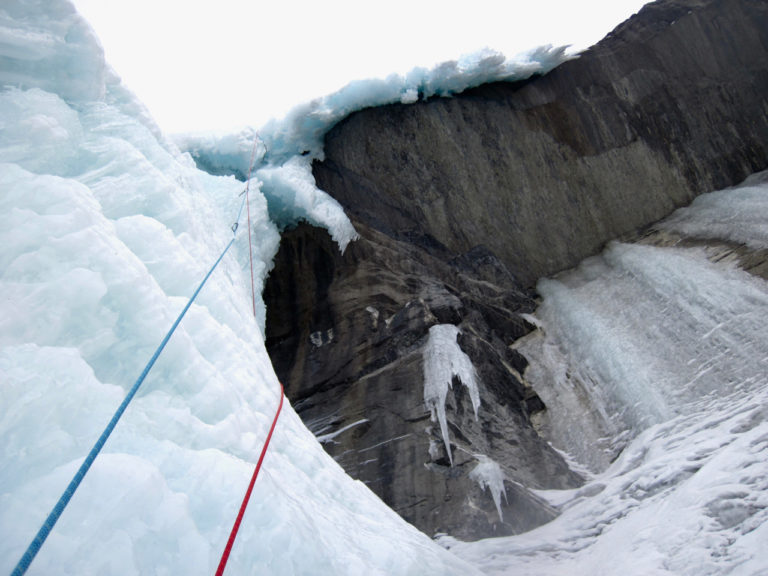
x=288, y=146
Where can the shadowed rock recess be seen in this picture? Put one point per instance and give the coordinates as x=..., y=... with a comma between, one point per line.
x=461, y=205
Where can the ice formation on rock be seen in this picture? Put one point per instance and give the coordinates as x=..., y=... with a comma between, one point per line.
x=444, y=360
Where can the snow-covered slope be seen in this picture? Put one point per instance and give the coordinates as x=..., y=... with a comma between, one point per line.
x=106, y=229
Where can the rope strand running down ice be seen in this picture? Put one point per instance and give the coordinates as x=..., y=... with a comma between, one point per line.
x=247, y=497
x=61, y=504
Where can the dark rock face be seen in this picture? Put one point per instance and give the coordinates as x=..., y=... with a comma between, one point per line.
x=347, y=335
x=544, y=172
x=461, y=205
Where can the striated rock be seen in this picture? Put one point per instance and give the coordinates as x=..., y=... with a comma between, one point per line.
x=461, y=205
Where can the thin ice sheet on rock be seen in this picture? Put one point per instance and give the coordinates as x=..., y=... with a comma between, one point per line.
x=106, y=229
x=736, y=214
x=638, y=335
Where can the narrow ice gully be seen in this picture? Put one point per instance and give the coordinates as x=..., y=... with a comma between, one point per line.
x=106, y=229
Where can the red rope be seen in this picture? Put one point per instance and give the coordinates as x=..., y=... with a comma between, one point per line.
x=247, y=497
x=244, y=505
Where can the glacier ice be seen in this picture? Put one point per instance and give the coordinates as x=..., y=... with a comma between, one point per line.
x=106, y=228
x=444, y=360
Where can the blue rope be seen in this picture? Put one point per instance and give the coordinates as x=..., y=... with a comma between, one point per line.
x=53, y=517
x=240, y=212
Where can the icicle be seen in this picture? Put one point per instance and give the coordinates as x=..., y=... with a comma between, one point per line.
x=444, y=359
x=488, y=474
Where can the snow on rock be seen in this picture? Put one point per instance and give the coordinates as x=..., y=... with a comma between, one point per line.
x=106, y=230
x=304, y=127
x=444, y=359
x=488, y=474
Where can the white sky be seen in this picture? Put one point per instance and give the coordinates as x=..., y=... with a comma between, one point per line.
x=223, y=64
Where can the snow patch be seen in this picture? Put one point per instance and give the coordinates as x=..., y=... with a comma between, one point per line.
x=374, y=317
x=324, y=438
x=321, y=337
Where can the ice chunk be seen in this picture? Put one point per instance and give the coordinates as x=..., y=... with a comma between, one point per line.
x=444, y=360
x=292, y=196
x=488, y=474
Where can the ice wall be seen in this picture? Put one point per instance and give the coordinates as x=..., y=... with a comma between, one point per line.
x=106, y=230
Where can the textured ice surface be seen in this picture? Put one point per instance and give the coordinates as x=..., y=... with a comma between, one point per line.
x=106, y=229
x=292, y=196
x=444, y=360
x=639, y=335
x=736, y=214
x=686, y=497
